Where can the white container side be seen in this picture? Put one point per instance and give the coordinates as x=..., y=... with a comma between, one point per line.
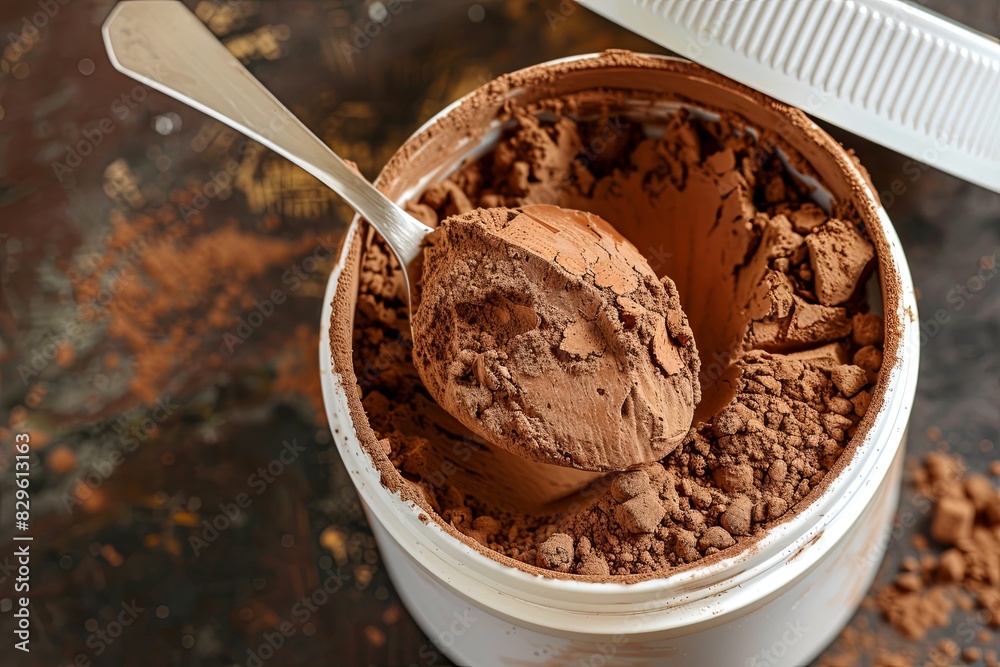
x=778, y=603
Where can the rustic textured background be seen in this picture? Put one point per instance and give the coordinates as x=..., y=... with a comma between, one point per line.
x=138, y=240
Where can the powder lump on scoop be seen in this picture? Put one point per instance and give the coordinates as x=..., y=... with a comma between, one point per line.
x=545, y=334
x=772, y=287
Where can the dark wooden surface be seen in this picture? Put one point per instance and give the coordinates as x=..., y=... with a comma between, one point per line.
x=230, y=407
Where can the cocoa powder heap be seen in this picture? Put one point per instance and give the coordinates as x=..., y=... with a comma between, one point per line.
x=950, y=579
x=773, y=287
x=961, y=562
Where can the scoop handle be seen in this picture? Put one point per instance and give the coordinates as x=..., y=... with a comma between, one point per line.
x=162, y=44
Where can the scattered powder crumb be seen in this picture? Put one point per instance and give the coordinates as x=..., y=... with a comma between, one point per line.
x=952, y=582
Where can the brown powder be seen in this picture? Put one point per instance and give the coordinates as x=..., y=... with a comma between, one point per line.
x=549, y=335
x=781, y=394
x=965, y=560
x=953, y=579
x=163, y=287
x=840, y=256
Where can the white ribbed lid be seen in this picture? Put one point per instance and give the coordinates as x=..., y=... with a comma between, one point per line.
x=887, y=70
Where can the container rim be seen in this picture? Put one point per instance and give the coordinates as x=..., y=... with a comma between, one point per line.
x=786, y=543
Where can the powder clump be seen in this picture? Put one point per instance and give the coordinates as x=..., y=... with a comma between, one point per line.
x=546, y=333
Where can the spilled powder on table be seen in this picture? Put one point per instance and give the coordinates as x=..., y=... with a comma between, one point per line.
x=951, y=579
x=173, y=286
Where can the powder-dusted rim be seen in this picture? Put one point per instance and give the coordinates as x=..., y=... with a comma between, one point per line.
x=833, y=165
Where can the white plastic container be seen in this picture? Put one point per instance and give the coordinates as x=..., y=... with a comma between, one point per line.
x=778, y=602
